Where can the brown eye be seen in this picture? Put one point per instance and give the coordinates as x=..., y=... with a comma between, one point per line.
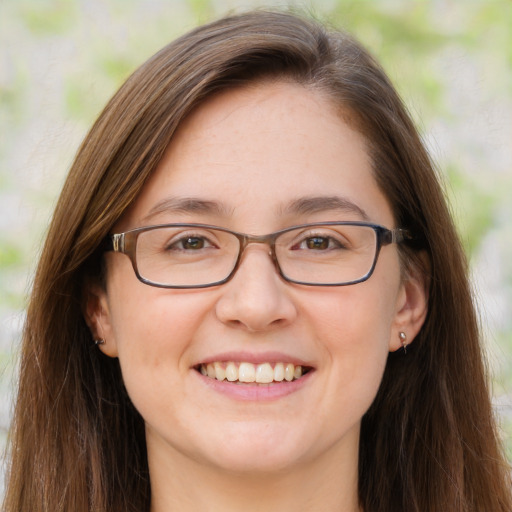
x=193, y=243
x=317, y=242
x=189, y=243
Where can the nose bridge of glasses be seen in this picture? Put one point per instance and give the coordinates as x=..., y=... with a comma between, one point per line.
x=268, y=240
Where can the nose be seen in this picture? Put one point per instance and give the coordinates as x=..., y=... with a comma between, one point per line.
x=256, y=298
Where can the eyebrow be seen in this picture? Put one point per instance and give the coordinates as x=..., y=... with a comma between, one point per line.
x=319, y=204
x=300, y=206
x=186, y=205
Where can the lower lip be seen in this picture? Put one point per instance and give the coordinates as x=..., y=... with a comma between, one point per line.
x=256, y=392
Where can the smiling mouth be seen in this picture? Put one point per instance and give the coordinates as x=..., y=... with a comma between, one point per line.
x=248, y=373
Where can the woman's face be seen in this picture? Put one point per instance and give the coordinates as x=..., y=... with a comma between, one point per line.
x=257, y=160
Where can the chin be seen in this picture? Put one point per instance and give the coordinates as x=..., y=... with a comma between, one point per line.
x=260, y=464
x=261, y=450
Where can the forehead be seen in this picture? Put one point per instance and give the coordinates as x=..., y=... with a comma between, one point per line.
x=253, y=151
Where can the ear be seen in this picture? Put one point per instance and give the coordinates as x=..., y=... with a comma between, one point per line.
x=98, y=318
x=411, y=309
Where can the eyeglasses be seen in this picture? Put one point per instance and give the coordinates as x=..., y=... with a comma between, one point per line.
x=200, y=255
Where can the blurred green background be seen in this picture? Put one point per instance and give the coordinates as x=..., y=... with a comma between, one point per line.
x=451, y=60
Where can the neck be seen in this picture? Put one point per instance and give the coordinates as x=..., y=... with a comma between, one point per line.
x=181, y=484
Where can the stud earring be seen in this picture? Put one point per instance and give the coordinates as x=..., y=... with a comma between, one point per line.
x=99, y=341
x=403, y=340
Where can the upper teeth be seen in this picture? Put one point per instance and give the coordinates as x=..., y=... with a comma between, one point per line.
x=262, y=373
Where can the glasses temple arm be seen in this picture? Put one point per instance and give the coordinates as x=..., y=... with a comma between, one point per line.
x=113, y=243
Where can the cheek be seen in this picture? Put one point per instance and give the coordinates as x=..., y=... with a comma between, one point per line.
x=153, y=329
x=155, y=332
x=356, y=318
x=352, y=329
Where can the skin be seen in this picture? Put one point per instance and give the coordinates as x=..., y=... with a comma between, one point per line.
x=255, y=150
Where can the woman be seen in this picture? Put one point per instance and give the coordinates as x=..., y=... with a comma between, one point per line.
x=252, y=295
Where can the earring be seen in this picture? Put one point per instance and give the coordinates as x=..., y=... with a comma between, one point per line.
x=403, y=340
x=99, y=341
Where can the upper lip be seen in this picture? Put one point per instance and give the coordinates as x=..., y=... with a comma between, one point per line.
x=255, y=358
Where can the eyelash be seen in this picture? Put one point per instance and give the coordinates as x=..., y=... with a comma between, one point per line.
x=185, y=238
x=331, y=242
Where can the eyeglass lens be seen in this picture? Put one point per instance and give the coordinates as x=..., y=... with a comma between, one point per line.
x=195, y=256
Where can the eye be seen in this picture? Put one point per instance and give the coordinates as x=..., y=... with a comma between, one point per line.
x=318, y=243
x=190, y=243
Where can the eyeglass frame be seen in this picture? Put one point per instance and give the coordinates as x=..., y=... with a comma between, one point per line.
x=126, y=243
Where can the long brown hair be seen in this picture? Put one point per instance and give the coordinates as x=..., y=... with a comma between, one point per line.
x=428, y=442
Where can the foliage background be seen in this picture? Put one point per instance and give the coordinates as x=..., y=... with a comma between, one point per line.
x=60, y=61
